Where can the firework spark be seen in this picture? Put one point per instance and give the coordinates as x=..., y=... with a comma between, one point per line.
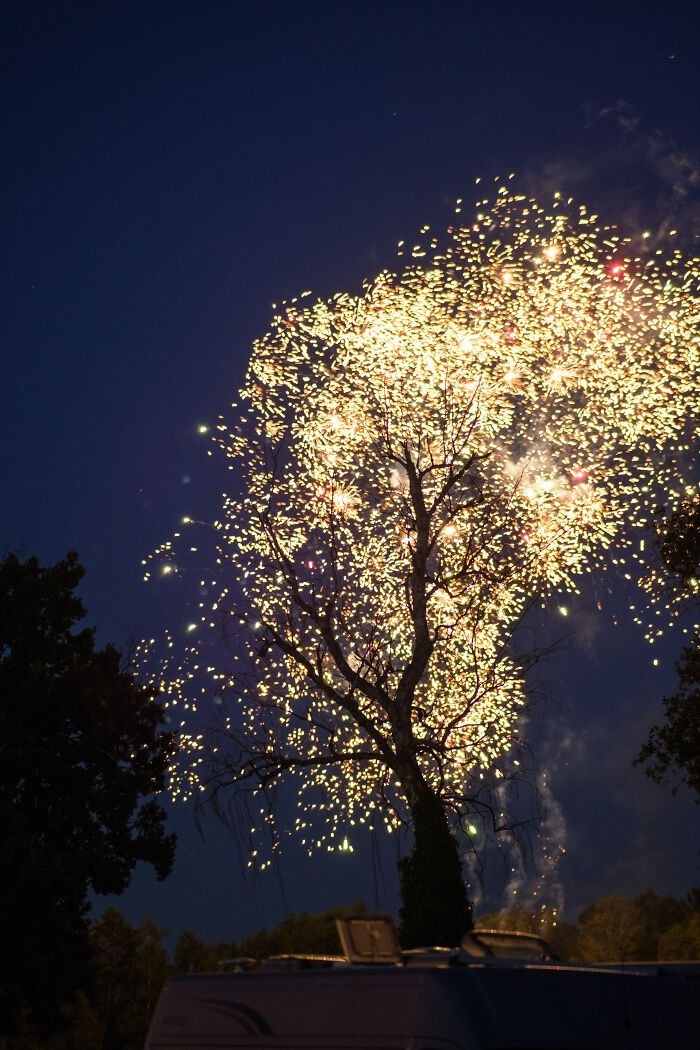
x=495, y=419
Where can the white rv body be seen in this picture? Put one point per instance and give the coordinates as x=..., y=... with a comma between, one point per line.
x=489, y=1005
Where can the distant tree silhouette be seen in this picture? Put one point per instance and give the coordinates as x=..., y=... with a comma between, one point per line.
x=82, y=756
x=193, y=955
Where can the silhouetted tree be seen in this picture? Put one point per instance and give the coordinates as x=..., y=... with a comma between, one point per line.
x=193, y=955
x=82, y=757
x=671, y=753
x=129, y=966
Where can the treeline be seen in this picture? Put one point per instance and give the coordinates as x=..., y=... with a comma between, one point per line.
x=614, y=929
x=130, y=963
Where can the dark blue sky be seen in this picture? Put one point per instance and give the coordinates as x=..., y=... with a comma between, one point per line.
x=171, y=169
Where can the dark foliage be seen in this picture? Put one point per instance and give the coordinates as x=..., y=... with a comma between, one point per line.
x=612, y=929
x=679, y=541
x=128, y=964
x=82, y=755
x=300, y=933
x=671, y=753
x=434, y=906
x=193, y=955
x=659, y=914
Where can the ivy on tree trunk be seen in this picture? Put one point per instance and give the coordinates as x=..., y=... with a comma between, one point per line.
x=435, y=908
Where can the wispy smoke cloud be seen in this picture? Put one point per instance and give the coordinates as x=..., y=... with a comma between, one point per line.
x=649, y=182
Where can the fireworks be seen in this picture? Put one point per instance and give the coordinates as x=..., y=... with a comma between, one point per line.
x=419, y=464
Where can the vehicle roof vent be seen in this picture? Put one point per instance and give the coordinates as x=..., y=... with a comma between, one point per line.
x=369, y=939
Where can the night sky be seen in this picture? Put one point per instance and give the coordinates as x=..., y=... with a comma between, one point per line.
x=171, y=169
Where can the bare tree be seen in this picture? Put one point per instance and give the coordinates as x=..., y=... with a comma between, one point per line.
x=384, y=667
x=419, y=465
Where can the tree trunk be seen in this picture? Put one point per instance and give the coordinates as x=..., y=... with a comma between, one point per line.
x=435, y=909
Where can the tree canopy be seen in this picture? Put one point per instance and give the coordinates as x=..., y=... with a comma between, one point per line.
x=671, y=752
x=82, y=758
